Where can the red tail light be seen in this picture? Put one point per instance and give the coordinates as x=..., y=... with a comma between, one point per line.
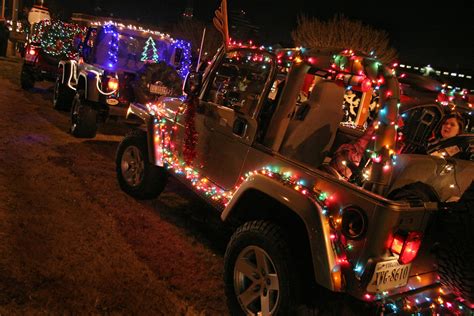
x=406, y=246
x=112, y=84
x=32, y=51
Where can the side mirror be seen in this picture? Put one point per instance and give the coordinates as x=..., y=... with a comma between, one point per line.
x=192, y=83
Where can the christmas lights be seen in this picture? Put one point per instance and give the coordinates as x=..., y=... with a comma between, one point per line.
x=437, y=303
x=56, y=38
x=183, y=48
x=150, y=52
x=112, y=55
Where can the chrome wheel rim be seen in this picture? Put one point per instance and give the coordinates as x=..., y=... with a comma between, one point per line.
x=132, y=166
x=256, y=282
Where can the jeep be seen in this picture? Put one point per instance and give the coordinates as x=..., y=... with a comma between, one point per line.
x=255, y=139
x=45, y=48
x=118, y=64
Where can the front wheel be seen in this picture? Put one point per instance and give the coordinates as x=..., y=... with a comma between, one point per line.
x=136, y=176
x=83, y=118
x=63, y=96
x=260, y=277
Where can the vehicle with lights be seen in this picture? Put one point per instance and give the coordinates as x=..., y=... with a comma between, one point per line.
x=50, y=42
x=118, y=64
x=257, y=142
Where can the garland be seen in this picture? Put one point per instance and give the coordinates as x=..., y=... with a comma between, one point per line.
x=190, y=138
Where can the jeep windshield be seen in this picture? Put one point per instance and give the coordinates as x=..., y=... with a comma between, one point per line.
x=129, y=50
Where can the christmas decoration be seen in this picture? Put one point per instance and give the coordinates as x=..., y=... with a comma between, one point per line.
x=184, y=49
x=150, y=52
x=181, y=45
x=56, y=38
x=38, y=30
x=110, y=29
x=190, y=138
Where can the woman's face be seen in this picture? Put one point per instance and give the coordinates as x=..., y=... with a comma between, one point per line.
x=450, y=128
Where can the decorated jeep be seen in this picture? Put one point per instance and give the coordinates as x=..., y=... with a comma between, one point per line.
x=50, y=42
x=118, y=64
x=258, y=143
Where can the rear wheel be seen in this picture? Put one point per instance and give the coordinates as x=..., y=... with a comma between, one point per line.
x=259, y=274
x=83, y=118
x=136, y=175
x=27, y=79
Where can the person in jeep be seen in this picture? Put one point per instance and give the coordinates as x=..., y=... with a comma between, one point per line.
x=452, y=125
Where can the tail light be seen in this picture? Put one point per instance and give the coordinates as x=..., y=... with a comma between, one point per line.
x=112, y=84
x=32, y=51
x=406, y=245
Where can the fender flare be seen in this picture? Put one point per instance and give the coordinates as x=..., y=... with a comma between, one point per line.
x=311, y=214
x=62, y=66
x=69, y=74
x=141, y=112
x=90, y=79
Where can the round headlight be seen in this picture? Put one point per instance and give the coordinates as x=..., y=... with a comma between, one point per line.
x=354, y=223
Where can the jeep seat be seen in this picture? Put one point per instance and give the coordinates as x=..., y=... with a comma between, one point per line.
x=312, y=130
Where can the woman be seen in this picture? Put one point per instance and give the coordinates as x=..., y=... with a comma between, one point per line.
x=452, y=125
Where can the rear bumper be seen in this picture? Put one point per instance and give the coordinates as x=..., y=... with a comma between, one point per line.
x=427, y=300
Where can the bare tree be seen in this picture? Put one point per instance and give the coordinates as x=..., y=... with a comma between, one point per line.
x=343, y=33
x=191, y=30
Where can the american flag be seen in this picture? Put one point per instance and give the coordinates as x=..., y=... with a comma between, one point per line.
x=220, y=22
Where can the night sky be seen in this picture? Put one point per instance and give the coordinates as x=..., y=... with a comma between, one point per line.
x=442, y=36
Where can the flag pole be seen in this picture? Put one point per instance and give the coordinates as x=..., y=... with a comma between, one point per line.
x=200, y=49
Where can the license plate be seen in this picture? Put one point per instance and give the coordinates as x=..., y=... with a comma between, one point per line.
x=389, y=275
x=158, y=89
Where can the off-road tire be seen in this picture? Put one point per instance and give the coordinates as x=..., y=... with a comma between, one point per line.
x=153, y=179
x=83, y=118
x=63, y=96
x=27, y=79
x=269, y=237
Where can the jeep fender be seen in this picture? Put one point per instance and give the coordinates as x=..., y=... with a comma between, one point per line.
x=141, y=112
x=68, y=73
x=310, y=213
x=90, y=87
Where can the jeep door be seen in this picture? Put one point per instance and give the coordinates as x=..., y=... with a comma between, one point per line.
x=225, y=121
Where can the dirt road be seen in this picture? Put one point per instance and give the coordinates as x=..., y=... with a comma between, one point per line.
x=72, y=242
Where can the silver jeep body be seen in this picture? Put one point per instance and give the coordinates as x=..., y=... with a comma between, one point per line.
x=238, y=168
